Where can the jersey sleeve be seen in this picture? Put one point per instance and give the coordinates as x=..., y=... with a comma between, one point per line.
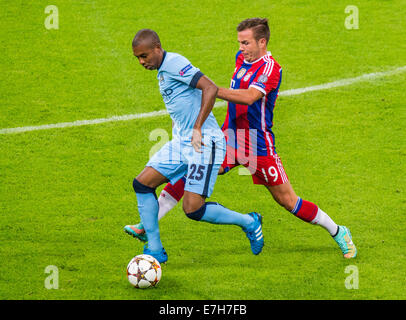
x=182, y=70
x=267, y=78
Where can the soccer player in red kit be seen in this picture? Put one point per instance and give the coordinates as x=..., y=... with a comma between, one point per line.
x=250, y=141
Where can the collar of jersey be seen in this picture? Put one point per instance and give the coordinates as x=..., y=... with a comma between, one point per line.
x=163, y=58
x=268, y=53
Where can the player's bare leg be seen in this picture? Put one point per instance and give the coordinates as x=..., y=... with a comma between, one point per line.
x=285, y=196
x=192, y=201
x=151, y=177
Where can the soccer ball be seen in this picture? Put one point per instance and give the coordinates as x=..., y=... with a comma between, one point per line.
x=144, y=271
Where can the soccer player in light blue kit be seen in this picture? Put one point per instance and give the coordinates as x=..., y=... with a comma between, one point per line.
x=196, y=150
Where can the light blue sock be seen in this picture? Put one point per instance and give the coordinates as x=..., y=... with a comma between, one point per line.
x=217, y=214
x=148, y=208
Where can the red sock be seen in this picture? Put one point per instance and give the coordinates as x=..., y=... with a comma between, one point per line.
x=305, y=210
x=176, y=190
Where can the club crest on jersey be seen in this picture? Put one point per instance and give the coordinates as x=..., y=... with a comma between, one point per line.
x=161, y=79
x=262, y=78
x=241, y=73
x=247, y=76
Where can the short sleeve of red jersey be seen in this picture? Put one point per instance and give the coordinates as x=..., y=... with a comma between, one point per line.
x=267, y=78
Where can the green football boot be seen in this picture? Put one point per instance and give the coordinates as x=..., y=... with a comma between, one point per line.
x=344, y=241
x=137, y=231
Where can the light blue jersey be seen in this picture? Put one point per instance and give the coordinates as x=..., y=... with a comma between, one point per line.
x=177, y=158
x=177, y=83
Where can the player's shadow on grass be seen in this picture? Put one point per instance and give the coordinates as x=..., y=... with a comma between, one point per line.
x=310, y=249
x=270, y=250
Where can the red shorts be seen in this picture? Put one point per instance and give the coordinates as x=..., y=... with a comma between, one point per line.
x=265, y=170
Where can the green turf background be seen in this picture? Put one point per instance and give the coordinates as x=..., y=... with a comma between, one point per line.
x=65, y=194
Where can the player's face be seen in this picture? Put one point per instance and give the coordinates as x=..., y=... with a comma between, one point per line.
x=149, y=57
x=250, y=48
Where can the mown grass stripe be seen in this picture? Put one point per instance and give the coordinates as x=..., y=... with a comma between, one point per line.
x=291, y=92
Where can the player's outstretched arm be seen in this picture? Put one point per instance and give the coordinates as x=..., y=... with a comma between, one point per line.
x=240, y=96
x=209, y=93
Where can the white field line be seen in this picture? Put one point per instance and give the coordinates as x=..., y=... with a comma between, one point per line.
x=291, y=92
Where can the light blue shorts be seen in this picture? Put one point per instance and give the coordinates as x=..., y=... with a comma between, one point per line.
x=178, y=158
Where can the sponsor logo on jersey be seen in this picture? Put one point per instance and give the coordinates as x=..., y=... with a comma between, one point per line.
x=241, y=73
x=185, y=69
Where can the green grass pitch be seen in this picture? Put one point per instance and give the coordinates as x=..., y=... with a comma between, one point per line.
x=65, y=194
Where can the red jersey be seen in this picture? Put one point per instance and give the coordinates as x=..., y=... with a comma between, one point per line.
x=250, y=126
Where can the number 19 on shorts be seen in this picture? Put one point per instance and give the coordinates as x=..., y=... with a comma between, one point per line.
x=271, y=174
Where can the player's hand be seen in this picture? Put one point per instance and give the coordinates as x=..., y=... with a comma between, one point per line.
x=197, y=142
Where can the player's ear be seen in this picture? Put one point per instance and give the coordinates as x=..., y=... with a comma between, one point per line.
x=262, y=43
x=156, y=48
